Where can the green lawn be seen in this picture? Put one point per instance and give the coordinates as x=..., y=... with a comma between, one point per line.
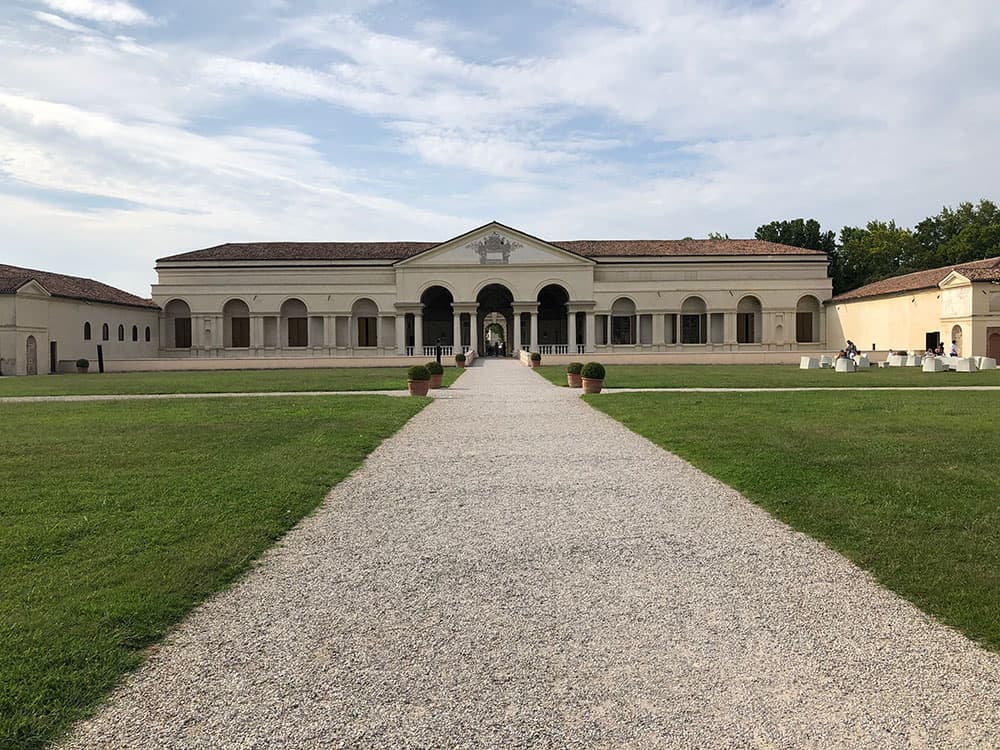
x=904, y=484
x=771, y=376
x=216, y=381
x=117, y=518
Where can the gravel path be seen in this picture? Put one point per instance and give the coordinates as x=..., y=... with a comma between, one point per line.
x=514, y=569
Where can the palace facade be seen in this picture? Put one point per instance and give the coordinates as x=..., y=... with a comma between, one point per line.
x=492, y=284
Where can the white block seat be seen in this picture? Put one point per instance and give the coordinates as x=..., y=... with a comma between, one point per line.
x=825, y=361
x=897, y=360
x=862, y=363
x=808, y=363
x=986, y=363
x=933, y=364
x=965, y=364
x=913, y=360
x=845, y=364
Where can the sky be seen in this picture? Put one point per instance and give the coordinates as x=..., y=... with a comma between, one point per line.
x=135, y=129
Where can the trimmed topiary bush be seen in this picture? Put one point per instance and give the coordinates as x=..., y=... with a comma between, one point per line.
x=460, y=357
x=434, y=368
x=593, y=371
x=574, y=368
x=82, y=363
x=536, y=357
x=418, y=372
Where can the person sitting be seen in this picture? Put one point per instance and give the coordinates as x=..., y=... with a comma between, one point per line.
x=954, y=349
x=929, y=352
x=939, y=350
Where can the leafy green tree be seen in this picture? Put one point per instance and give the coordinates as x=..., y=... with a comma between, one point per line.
x=878, y=251
x=717, y=236
x=799, y=233
x=969, y=232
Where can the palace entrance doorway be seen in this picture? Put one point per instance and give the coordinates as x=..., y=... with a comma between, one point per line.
x=495, y=317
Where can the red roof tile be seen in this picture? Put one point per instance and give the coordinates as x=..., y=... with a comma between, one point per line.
x=278, y=251
x=978, y=270
x=13, y=278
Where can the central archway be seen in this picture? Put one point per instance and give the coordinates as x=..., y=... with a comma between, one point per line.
x=437, y=303
x=499, y=300
x=553, y=322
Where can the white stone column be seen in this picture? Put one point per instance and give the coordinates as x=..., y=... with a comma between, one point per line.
x=729, y=328
x=659, y=330
x=401, y=335
x=379, y=341
x=571, y=332
x=517, y=333
x=607, y=329
x=677, y=328
x=329, y=331
x=456, y=331
x=418, y=334
x=589, y=332
x=257, y=331
x=534, y=332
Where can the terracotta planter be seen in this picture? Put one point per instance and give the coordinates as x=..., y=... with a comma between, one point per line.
x=573, y=380
x=533, y=363
x=418, y=387
x=590, y=385
x=459, y=364
x=83, y=370
x=435, y=381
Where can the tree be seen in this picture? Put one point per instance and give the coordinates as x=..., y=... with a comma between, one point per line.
x=799, y=233
x=878, y=251
x=717, y=236
x=959, y=235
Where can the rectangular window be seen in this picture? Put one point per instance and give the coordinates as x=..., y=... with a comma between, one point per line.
x=182, y=333
x=693, y=329
x=622, y=329
x=367, y=332
x=298, y=332
x=804, y=327
x=745, y=328
x=241, y=333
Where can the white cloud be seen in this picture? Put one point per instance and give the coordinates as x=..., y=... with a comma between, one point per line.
x=102, y=11
x=59, y=22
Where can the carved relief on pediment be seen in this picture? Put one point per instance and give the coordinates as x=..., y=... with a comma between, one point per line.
x=494, y=249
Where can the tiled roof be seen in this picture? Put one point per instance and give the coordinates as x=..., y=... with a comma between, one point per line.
x=276, y=251
x=13, y=278
x=668, y=248
x=978, y=270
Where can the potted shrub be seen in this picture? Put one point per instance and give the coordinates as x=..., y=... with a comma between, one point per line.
x=460, y=359
x=82, y=365
x=573, y=379
x=418, y=380
x=592, y=375
x=437, y=374
x=536, y=359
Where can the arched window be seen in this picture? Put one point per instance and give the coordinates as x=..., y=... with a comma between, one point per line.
x=121, y=332
x=237, y=319
x=694, y=321
x=366, y=313
x=149, y=334
x=86, y=331
x=135, y=333
x=178, y=325
x=807, y=320
x=623, y=321
x=105, y=332
x=296, y=318
x=748, y=321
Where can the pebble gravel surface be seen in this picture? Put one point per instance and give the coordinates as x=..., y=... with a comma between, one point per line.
x=514, y=569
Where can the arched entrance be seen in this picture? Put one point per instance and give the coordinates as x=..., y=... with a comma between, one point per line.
x=553, y=326
x=438, y=310
x=956, y=337
x=495, y=335
x=496, y=303
x=31, y=356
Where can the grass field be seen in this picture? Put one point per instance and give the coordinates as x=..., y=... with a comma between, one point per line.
x=904, y=484
x=216, y=381
x=117, y=518
x=771, y=376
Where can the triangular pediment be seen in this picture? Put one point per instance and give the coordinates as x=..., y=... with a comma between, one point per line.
x=32, y=287
x=495, y=244
x=953, y=279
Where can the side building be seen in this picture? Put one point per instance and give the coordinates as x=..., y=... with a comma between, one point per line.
x=916, y=311
x=49, y=320
x=705, y=300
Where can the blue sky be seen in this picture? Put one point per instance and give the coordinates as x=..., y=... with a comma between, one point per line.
x=133, y=129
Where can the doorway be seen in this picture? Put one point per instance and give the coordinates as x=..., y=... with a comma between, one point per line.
x=31, y=356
